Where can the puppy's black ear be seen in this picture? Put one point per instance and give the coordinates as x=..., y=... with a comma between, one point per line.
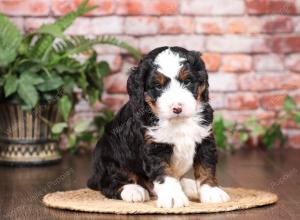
x=136, y=85
x=194, y=58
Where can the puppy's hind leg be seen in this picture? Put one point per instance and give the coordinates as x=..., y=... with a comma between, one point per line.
x=123, y=185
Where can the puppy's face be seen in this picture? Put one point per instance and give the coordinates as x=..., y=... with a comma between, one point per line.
x=174, y=86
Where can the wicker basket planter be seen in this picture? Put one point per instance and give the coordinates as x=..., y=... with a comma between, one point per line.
x=25, y=137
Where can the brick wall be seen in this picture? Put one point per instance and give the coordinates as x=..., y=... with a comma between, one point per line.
x=251, y=47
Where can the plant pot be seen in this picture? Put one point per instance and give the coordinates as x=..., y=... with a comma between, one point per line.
x=25, y=137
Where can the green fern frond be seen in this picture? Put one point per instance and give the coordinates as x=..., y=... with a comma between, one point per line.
x=118, y=43
x=10, y=39
x=45, y=42
x=79, y=44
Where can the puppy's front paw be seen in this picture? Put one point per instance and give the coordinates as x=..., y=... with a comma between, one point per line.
x=134, y=193
x=170, y=194
x=214, y=194
x=172, y=199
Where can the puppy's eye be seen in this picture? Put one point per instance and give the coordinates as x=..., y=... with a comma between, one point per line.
x=187, y=82
x=157, y=86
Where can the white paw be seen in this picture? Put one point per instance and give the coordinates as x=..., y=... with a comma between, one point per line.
x=214, y=194
x=134, y=193
x=170, y=194
x=171, y=199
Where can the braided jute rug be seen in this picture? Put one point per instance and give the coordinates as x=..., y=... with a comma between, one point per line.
x=87, y=200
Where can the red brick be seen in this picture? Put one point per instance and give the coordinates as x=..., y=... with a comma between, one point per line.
x=282, y=24
x=61, y=7
x=114, y=101
x=222, y=82
x=236, y=44
x=267, y=82
x=296, y=22
x=285, y=44
x=217, y=100
x=81, y=26
x=141, y=25
x=176, y=25
x=242, y=116
x=271, y=6
x=147, y=7
x=269, y=62
x=212, y=7
x=272, y=101
x=19, y=22
x=293, y=62
x=297, y=99
x=191, y=42
x=212, y=61
x=241, y=101
x=209, y=25
x=109, y=49
x=116, y=83
x=236, y=63
x=107, y=25
x=241, y=25
x=21, y=7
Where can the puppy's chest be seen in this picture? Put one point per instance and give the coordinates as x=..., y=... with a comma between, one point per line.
x=183, y=136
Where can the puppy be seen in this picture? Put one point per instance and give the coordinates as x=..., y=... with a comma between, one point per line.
x=163, y=131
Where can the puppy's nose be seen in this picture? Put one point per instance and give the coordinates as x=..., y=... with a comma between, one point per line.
x=177, y=110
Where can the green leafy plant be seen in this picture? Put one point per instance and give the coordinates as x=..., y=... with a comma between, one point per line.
x=251, y=132
x=41, y=67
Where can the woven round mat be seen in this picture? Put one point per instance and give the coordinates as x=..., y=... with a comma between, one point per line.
x=87, y=200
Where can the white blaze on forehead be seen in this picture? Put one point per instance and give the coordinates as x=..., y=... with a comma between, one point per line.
x=169, y=63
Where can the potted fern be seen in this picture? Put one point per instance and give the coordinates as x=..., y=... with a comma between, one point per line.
x=38, y=74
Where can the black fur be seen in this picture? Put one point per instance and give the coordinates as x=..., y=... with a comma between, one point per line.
x=123, y=150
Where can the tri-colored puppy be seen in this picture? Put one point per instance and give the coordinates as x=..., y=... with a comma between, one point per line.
x=163, y=131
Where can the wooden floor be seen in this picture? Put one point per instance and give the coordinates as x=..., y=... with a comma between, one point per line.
x=21, y=189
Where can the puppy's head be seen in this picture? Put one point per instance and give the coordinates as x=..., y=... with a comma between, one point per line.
x=172, y=81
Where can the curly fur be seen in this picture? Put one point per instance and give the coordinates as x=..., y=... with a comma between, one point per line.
x=127, y=154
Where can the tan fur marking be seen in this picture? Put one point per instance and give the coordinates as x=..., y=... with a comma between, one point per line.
x=183, y=74
x=151, y=103
x=200, y=90
x=171, y=171
x=205, y=175
x=160, y=78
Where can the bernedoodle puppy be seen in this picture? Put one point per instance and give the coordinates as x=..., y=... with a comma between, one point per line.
x=163, y=131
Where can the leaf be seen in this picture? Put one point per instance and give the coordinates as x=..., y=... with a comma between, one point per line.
x=289, y=104
x=31, y=78
x=11, y=85
x=82, y=126
x=43, y=45
x=103, y=68
x=10, y=40
x=219, y=131
x=50, y=83
x=86, y=136
x=64, y=107
x=72, y=140
x=28, y=94
x=93, y=95
x=59, y=127
x=258, y=130
x=243, y=136
x=272, y=134
x=50, y=29
x=297, y=118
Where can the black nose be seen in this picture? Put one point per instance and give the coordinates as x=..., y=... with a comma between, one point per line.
x=177, y=110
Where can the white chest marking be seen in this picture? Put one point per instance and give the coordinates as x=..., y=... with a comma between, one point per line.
x=183, y=134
